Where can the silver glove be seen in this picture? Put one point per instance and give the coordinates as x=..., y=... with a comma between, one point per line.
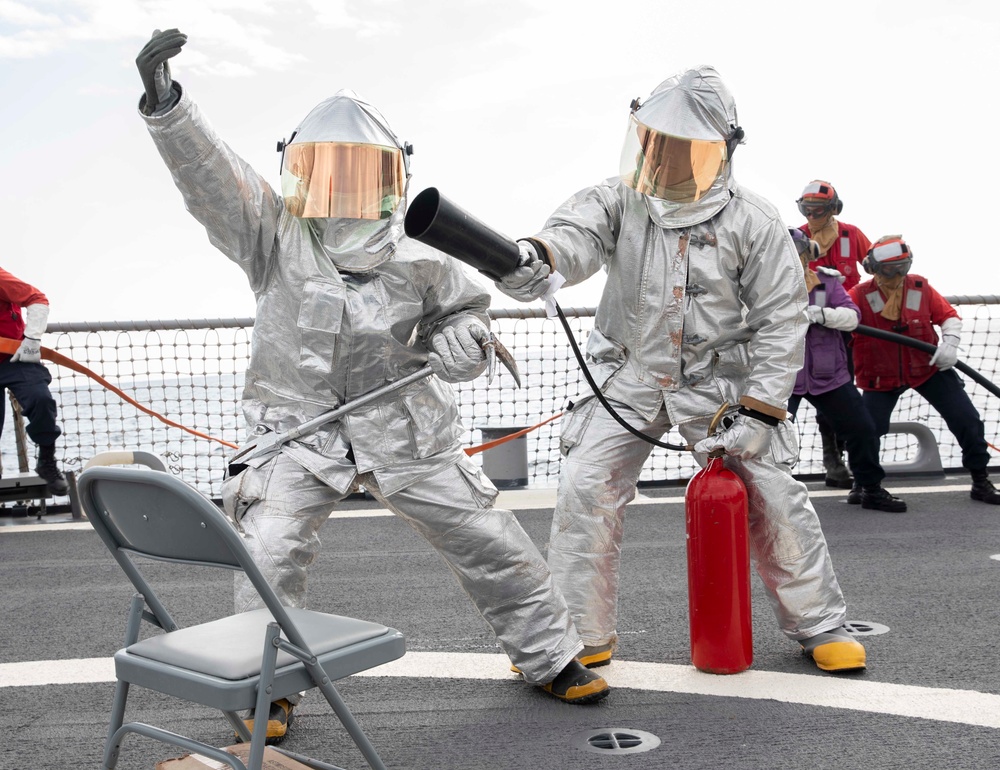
x=530, y=280
x=458, y=353
x=746, y=438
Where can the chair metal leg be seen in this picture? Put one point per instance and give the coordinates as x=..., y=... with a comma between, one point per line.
x=180, y=741
x=111, y=747
x=322, y=681
x=239, y=726
x=132, y=625
x=265, y=687
x=346, y=717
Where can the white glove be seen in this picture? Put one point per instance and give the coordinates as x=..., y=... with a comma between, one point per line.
x=831, y=271
x=30, y=351
x=840, y=318
x=746, y=438
x=530, y=280
x=458, y=352
x=36, y=319
x=946, y=356
x=815, y=314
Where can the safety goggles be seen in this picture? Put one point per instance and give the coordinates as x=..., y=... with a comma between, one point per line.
x=894, y=268
x=814, y=212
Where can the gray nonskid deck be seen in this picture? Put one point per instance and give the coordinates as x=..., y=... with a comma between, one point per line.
x=927, y=575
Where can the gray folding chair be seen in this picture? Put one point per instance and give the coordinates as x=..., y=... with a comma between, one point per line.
x=233, y=663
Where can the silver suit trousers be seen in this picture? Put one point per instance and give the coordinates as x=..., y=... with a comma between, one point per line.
x=280, y=508
x=601, y=465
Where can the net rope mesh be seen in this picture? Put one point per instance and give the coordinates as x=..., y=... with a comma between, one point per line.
x=191, y=372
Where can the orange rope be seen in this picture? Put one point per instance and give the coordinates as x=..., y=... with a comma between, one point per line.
x=497, y=442
x=11, y=346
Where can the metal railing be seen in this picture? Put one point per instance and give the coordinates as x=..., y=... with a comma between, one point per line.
x=191, y=371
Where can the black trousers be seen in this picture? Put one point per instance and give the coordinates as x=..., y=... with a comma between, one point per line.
x=30, y=385
x=844, y=410
x=821, y=420
x=945, y=391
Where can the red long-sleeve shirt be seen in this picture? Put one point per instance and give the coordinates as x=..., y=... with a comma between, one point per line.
x=14, y=295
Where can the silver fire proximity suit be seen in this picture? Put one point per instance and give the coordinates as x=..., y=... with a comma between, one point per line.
x=324, y=336
x=704, y=303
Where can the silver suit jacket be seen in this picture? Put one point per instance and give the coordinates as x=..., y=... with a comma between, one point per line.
x=690, y=317
x=322, y=338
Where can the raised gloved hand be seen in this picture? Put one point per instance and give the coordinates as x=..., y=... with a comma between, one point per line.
x=530, y=280
x=154, y=69
x=746, y=438
x=36, y=319
x=458, y=353
x=840, y=318
x=946, y=356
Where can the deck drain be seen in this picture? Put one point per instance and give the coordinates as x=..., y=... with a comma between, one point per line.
x=865, y=628
x=615, y=740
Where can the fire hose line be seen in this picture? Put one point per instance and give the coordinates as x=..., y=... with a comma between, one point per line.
x=10, y=346
x=510, y=437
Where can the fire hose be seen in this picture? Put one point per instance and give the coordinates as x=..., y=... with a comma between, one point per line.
x=926, y=347
x=10, y=347
x=260, y=445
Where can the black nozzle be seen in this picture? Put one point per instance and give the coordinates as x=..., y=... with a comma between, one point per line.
x=433, y=219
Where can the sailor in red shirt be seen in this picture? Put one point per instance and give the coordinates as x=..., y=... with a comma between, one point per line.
x=841, y=247
x=897, y=301
x=24, y=374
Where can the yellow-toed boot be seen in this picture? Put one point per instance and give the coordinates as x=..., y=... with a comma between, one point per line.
x=278, y=721
x=578, y=685
x=835, y=650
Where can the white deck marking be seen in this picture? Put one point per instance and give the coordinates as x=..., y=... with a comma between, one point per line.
x=543, y=500
x=939, y=704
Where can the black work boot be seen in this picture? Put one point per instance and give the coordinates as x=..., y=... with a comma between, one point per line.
x=983, y=489
x=837, y=474
x=854, y=496
x=875, y=498
x=49, y=472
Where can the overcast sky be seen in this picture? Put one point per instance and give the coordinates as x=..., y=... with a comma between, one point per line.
x=511, y=106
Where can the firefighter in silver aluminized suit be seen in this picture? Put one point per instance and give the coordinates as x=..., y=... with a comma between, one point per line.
x=704, y=304
x=346, y=304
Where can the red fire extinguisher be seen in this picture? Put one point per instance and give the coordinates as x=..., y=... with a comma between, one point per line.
x=718, y=570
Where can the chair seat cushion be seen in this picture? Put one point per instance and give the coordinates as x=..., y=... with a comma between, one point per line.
x=231, y=648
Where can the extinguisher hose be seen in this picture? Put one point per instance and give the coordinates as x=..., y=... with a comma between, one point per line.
x=600, y=396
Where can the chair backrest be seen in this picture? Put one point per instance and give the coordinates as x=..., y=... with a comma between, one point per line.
x=159, y=516
x=127, y=457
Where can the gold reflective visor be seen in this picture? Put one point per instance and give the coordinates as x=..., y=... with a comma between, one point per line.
x=342, y=180
x=670, y=167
